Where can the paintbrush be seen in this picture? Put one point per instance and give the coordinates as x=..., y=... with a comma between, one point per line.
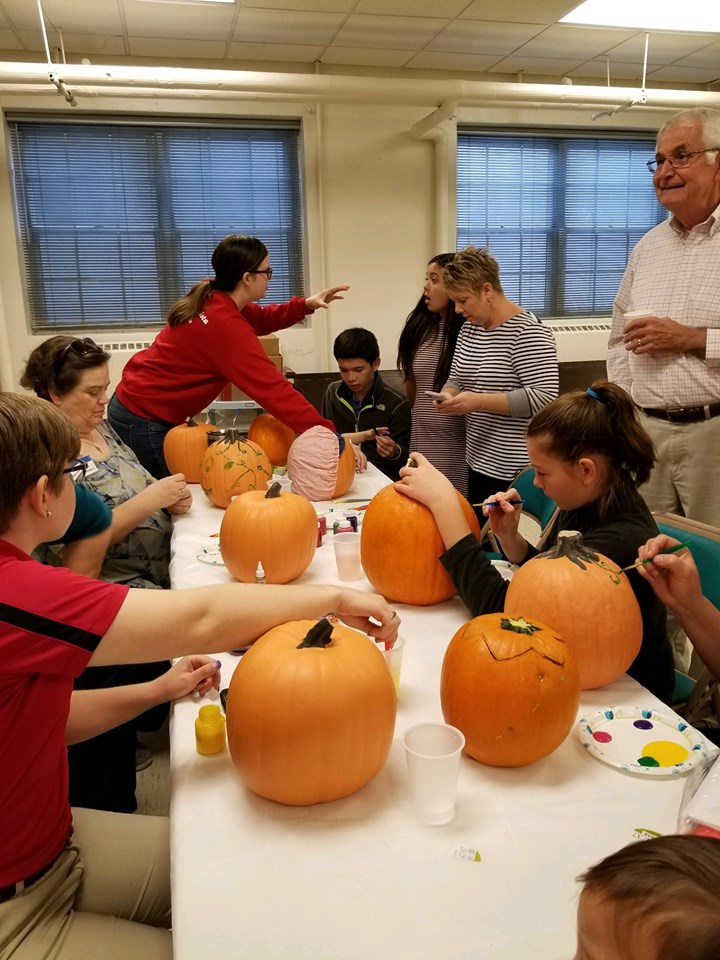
x=679, y=546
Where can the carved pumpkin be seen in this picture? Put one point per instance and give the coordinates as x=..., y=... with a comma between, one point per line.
x=314, y=467
x=399, y=549
x=310, y=713
x=277, y=529
x=232, y=466
x=512, y=687
x=273, y=436
x=184, y=447
x=580, y=594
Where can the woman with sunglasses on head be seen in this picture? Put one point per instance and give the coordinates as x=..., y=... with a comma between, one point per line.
x=63, y=871
x=73, y=375
x=210, y=340
x=425, y=351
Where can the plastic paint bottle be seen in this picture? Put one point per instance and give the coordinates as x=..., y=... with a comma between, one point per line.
x=210, y=730
x=260, y=574
x=344, y=526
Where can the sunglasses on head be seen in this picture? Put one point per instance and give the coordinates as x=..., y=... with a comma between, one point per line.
x=80, y=348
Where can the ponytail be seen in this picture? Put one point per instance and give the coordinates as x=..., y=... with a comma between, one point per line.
x=603, y=421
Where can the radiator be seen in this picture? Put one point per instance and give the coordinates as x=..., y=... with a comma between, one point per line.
x=580, y=340
x=120, y=352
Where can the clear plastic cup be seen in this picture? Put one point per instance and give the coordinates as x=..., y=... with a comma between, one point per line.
x=393, y=658
x=347, y=556
x=432, y=751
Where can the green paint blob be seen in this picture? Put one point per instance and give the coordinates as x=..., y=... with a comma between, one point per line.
x=648, y=762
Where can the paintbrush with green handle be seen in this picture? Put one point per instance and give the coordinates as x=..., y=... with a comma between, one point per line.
x=678, y=546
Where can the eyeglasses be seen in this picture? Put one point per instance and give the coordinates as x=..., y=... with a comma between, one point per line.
x=679, y=159
x=268, y=272
x=79, y=347
x=77, y=470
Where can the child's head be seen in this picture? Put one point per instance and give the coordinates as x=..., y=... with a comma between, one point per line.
x=358, y=357
x=657, y=899
x=589, y=445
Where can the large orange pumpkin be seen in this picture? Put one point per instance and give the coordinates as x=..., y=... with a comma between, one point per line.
x=184, y=447
x=310, y=713
x=314, y=467
x=232, y=466
x=273, y=436
x=579, y=594
x=400, y=545
x=277, y=529
x=512, y=687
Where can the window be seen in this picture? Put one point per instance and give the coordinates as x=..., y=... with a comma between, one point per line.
x=118, y=220
x=560, y=214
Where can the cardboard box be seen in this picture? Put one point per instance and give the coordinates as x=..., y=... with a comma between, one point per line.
x=271, y=344
x=231, y=392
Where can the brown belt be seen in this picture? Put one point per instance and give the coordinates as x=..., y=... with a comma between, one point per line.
x=685, y=414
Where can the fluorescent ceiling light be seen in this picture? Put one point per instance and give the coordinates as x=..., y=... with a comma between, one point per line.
x=189, y=1
x=655, y=15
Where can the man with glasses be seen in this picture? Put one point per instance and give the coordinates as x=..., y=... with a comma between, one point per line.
x=668, y=359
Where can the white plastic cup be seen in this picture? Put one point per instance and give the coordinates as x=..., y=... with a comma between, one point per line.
x=636, y=315
x=285, y=483
x=347, y=556
x=393, y=659
x=432, y=751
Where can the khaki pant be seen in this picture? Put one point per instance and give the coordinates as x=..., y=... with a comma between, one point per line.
x=686, y=478
x=107, y=895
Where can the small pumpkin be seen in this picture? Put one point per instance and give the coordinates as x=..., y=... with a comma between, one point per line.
x=316, y=470
x=232, y=466
x=184, y=447
x=277, y=529
x=273, y=436
x=400, y=546
x=310, y=713
x=581, y=595
x=511, y=685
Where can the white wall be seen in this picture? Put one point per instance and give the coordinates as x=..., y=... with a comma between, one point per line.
x=372, y=216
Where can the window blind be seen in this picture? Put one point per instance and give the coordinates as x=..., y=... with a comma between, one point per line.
x=561, y=214
x=118, y=220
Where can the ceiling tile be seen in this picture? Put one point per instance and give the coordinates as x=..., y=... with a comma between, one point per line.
x=467, y=62
x=662, y=47
x=537, y=66
x=80, y=44
x=519, y=11
x=484, y=38
x=103, y=16
x=399, y=33
x=173, y=49
x=412, y=8
x=620, y=73
x=677, y=74
x=8, y=41
x=304, y=6
x=706, y=57
x=584, y=43
x=366, y=57
x=183, y=21
x=282, y=52
x=279, y=26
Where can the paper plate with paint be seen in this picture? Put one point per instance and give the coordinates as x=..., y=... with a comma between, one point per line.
x=211, y=555
x=638, y=740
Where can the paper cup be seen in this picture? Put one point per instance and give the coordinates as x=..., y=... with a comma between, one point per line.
x=432, y=751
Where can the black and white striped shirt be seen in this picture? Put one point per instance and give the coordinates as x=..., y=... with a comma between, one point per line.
x=517, y=358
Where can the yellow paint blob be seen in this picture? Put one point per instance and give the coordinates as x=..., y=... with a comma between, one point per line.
x=665, y=752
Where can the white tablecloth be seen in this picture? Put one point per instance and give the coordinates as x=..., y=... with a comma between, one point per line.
x=361, y=878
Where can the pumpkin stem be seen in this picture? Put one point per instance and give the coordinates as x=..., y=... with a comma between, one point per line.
x=190, y=422
x=273, y=491
x=319, y=635
x=518, y=625
x=570, y=544
x=411, y=462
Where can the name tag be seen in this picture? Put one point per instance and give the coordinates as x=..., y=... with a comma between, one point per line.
x=90, y=468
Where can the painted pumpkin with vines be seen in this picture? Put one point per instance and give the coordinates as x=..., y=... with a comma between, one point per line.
x=233, y=466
